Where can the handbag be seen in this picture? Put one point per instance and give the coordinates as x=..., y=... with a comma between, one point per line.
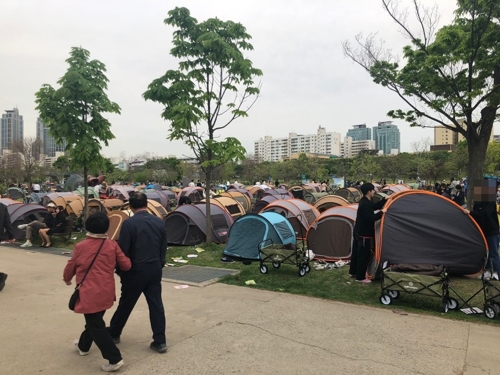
x=76, y=294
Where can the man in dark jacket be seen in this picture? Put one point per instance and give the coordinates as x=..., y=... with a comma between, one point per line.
x=459, y=196
x=143, y=238
x=5, y=225
x=364, y=232
x=484, y=212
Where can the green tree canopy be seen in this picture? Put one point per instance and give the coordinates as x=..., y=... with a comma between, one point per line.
x=74, y=112
x=213, y=86
x=449, y=77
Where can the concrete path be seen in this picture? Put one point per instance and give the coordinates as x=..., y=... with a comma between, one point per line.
x=221, y=329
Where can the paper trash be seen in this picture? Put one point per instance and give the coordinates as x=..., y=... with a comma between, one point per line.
x=181, y=286
x=180, y=261
x=199, y=250
x=250, y=282
x=192, y=255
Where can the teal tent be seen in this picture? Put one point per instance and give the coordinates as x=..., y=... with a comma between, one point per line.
x=251, y=232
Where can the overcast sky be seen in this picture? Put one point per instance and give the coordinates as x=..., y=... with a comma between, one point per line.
x=307, y=81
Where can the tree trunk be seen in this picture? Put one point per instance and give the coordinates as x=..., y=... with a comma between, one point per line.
x=477, y=146
x=208, y=182
x=85, y=194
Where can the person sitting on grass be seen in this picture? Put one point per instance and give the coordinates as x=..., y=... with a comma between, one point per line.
x=57, y=226
x=35, y=226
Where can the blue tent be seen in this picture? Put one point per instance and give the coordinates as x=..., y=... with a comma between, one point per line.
x=251, y=232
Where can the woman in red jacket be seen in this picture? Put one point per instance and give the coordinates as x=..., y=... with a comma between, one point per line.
x=97, y=293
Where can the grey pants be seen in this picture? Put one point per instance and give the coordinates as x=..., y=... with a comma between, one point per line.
x=34, y=226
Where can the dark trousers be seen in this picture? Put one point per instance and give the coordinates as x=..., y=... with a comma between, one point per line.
x=360, y=257
x=95, y=331
x=135, y=282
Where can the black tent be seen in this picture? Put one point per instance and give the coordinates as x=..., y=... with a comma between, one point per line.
x=421, y=227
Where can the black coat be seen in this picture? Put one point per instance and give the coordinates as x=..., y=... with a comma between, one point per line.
x=366, y=217
x=5, y=224
x=485, y=214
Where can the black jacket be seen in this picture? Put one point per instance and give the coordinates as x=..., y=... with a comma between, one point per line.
x=366, y=217
x=485, y=214
x=143, y=238
x=459, y=198
x=5, y=223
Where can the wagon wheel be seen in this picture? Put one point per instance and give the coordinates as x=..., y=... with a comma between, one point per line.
x=308, y=268
x=276, y=264
x=263, y=269
x=490, y=312
x=453, y=304
x=496, y=306
x=393, y=293
x=385, y=299
x=446, y=306
x=302, y=271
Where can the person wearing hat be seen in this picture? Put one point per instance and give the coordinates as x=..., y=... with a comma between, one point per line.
x=35, y=226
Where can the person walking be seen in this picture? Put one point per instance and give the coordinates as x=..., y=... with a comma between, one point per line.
x=459, y=196
x=484, y=212
x=365, y=232
x=143, y=238
x=35, y=226
x=96, y=257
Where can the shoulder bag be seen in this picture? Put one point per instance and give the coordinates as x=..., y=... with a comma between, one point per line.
x=76, y=294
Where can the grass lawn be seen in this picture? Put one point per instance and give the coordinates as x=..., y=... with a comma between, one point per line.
x=329, y=284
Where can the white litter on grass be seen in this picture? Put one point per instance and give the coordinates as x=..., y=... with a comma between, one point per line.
x=66, y=252
x=250, y=282
x=473, y=310
x=192, y=255
x=181, y=286
x=73, y=238
x=181, y=260
x=170, y=265
x=199, y=250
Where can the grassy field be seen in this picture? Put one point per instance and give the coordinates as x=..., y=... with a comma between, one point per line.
x=332, y=284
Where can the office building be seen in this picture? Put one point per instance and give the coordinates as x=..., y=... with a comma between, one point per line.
x=387, y=138
x=12, y=129
x=323, y=142
x=360, y=133
x=352, y=148
x=50, y=147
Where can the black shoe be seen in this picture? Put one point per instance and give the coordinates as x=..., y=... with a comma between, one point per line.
x=160, y=348
x=3, y=277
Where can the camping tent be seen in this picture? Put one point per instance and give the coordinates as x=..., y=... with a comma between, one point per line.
x=329, y=201
x=232, y=206
x=104, y=205
x=195, y=193
x=250, y=232
x=16, y=194
x=298, y=212
x=122, y=192
x=330, y=237
x=311, y=198
x=162, y=198
x=187, y=224
x=73, y=182
x=260, y=204
x=116, y=219
x=36, y=197
x=153, y=207
x=353, y=195
x=421, y=227
x=52, y=196
x=240, y=190
x=90, y=190
x=278, y=193
x=23, y=214
x=391, y=189
x=243, y=199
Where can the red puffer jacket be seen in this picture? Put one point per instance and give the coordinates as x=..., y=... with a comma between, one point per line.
x=97, y=292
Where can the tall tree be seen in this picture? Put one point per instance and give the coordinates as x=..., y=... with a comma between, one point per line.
x=447, y=76
x=74, y=112
x=212, y=87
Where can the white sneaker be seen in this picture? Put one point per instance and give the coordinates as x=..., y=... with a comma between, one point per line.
x=487, y=275
x=22, y=226
x=108, y=367
x=75, y=343
x=495, y=276
x=27, y=244
x=365, y=281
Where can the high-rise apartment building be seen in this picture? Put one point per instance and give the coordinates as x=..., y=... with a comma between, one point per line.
x=323, y=142
x=387, y=138
x=11, y=129
x=445, y=136
x=352, y=148
x=360, y=133
x=50, y=147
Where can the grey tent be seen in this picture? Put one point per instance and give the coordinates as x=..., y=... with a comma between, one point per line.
x=421, y=227
x=251, y=232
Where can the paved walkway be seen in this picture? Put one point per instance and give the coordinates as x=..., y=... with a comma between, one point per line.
x=222, y=329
